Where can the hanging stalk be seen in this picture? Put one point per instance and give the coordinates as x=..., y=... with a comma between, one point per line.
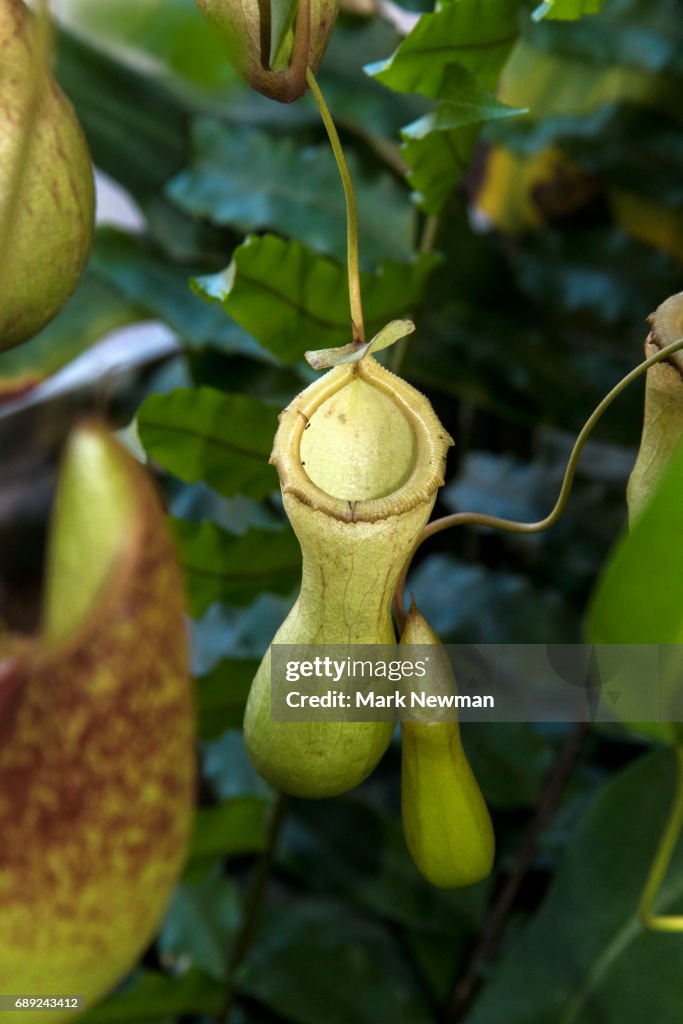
x=352, y=259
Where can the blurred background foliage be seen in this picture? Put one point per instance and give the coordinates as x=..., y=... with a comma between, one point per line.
x=540, y=221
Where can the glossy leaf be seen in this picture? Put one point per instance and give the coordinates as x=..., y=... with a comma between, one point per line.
x=639, y=598
x=290, y=299
x=172, y=31
x=439, y=145
x=455, y=34
x=249, y=180
x=144, y=277
x=586, y=958
x=204, y=434
x=220, y=566
x=567, y=10
x=437, y=163
x=463, y=101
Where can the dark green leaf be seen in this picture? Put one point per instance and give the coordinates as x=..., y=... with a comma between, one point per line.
x=438, y=147
x=204, y=434
x=354, y=98
x=510, y=761
x=222, y=567
x=639, y=598
x=462, y=102
x=225, y=762
x=221, y=696
x=567, y=10
x=597, y=271
x=645, y=34
x=603, y=143
x=249, y=180
x=146, y=278
x=152, y=996
x=200, y=924
x=437, y=163
x=231, y=828
x=466, y=603
x=171, y=31
x=456, y=33
x=312, y=962
x=292, y=300
x=137, y=130
x=586, y=959
x=321, y=847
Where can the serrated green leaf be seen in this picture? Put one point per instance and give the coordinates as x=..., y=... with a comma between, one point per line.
x=229, y=829
x=220, y=566
x=586, y=958
x=145, y=277
x=136, y=128
x=463, y=101
x=221, y=696
x=204, y=434
x=457, y=33
x=438, y=163
x=439, y=145
x=249, y=180
x=292, y=300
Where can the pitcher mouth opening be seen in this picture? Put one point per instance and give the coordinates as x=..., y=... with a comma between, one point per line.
x=374, y=487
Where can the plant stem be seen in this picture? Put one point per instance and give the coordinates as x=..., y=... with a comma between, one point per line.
x=355, y=301
x=252, y=905
x=662, y=859
x=35, y=89
x=511, y=525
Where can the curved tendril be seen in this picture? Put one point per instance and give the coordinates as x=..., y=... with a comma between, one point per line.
x=511, y=525
x=662, y=859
